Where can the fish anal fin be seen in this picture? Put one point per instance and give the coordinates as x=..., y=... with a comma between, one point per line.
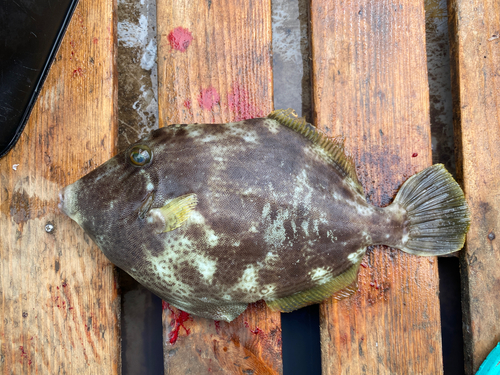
x=346, y=292
x=339, y=287
x=332, y=147
x=173, y=214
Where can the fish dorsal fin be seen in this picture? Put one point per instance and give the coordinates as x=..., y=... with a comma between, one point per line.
x=172, y=215
x=333, y=147
x=339, y=287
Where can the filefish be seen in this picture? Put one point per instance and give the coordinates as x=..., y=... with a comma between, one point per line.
x=212, y=217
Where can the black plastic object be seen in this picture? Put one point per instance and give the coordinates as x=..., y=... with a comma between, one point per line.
x=30, y=33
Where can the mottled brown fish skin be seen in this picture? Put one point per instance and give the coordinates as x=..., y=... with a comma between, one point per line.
x=274, y=216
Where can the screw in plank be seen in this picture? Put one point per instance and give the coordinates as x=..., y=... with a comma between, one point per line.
x=49, y=227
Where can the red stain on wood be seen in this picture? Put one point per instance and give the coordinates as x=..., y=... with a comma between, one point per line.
x=256, y=331
x=414, y=155
x=180, y=39
x=178, y=319
x=240, y=104
x=217, y=326
x=95, y=40
x=24, y=355
x=78, y=72
x=187, y=103
x=208, y=98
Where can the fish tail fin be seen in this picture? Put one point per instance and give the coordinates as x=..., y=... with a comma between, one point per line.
x=438, y=216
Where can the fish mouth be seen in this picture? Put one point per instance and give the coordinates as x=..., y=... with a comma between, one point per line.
x=61, y=201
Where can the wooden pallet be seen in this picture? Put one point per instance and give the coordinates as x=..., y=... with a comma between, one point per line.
x=59, y=300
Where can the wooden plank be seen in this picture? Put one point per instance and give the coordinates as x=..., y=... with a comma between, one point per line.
x=214, y=65
x=370, y=85
x=58, y=298
x=475, y=52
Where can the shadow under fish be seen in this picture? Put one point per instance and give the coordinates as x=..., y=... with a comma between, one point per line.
x=212, y=217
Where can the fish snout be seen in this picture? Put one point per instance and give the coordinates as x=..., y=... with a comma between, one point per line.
x=65, y=200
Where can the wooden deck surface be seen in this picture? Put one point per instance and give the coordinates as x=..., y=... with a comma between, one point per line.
x=370, y=85
x=475, y=47
x=59, y=301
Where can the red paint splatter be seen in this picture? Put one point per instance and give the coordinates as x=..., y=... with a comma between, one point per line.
x=64, y=285
x=187, y=103
x=217, y=326
x=164, y=305
x=208, y=98
x=364, y=265
x=71, y=308
x=95, y=40
x=179, y=318
x=246, y=324
x=414, y=155
x=180, y=39
x=240, y=104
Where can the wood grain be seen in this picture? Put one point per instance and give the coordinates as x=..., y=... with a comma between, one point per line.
x=475, y=52
x=214, y=65
x=58, y=298
x=370, y=85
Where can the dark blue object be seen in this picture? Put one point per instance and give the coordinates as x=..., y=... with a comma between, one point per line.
x=30, y=34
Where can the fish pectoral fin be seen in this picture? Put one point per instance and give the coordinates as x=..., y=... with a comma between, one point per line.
x=339, y=287
x=173, y=214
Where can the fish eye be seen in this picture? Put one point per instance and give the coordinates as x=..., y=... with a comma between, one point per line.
x=140, y=155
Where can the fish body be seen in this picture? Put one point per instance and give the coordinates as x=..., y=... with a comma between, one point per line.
x=211, y=217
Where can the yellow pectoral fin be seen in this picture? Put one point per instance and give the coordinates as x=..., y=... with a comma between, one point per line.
x=173, y=214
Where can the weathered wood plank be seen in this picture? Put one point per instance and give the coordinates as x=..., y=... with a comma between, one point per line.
x=370, y=85
x=475, y=52
x=59, y=302
x=214, y=65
